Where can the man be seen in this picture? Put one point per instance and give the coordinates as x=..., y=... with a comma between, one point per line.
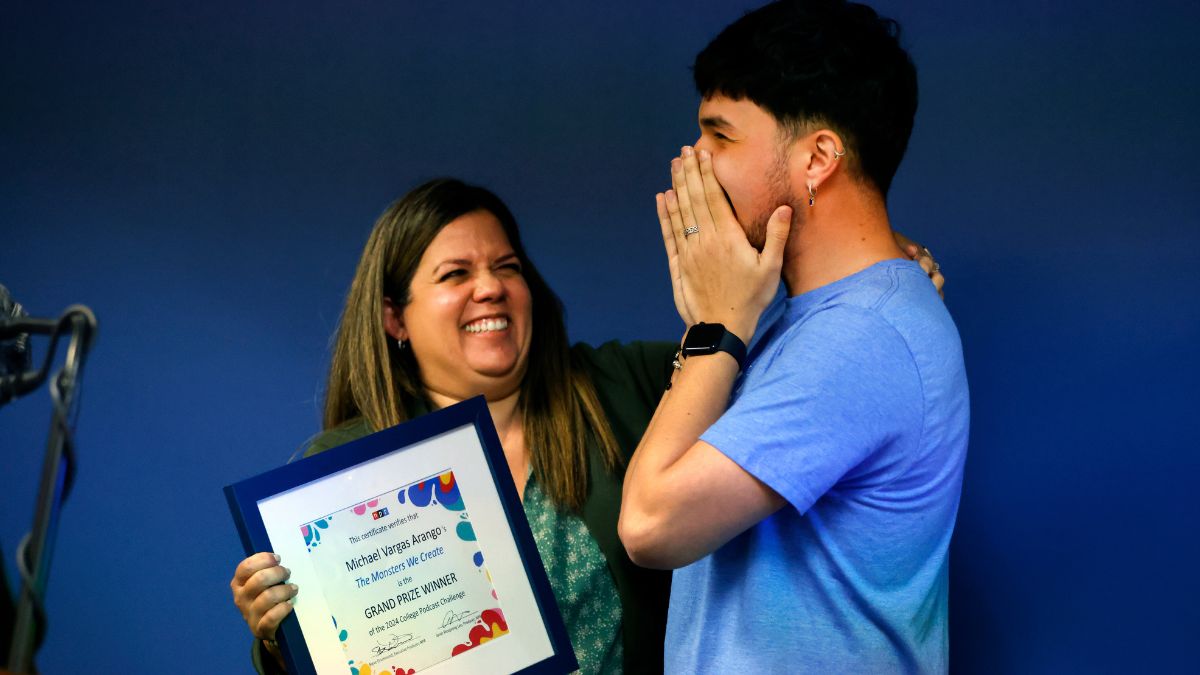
x=810, y=520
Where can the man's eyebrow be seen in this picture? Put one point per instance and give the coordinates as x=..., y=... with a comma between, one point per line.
x=715, y=122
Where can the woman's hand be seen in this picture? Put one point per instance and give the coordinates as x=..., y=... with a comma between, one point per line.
x=716, y=275
x=924, y=258
x=262, y=597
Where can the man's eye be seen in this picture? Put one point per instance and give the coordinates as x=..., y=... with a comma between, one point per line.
x=720, y=136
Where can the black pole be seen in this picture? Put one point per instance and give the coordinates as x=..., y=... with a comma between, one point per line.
x=37, y=549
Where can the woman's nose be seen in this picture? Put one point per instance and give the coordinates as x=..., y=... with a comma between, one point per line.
x=488, y=288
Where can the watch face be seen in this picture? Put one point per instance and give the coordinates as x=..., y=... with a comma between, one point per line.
x=703, y=338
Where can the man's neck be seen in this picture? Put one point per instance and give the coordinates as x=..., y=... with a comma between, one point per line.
x=845, y=232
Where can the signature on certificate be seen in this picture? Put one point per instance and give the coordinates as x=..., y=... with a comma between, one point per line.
x=392, y=642
x=452, y=618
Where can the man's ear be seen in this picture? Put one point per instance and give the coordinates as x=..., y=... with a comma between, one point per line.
x=393, y=320
x=817, y=156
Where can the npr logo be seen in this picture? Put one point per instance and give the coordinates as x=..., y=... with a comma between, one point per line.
x=376, y=515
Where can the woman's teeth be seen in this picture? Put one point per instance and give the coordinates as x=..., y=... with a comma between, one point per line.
x=484, y=325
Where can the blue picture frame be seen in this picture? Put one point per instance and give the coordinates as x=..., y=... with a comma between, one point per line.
x=244, y=497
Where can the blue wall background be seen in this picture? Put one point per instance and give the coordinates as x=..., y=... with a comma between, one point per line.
x=204, y=177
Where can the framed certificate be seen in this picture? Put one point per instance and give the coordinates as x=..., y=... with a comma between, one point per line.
x=412, y=554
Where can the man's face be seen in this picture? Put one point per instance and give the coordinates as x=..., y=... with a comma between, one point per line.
x=750, y=159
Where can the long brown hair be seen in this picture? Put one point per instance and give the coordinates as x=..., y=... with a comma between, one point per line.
x=372, y=378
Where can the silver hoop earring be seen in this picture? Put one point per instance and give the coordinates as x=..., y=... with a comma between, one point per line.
x=402, y=344
x=838, y=155
x=812, y=194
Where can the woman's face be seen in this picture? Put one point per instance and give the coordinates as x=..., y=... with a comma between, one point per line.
x=469, y=319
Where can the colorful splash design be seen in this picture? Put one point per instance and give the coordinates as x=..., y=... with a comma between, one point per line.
x=361, y=509
x=444, y=490
x=491, y=625
x=441, y=490
x=343, y=634
x=312, y=532
x=365, y=669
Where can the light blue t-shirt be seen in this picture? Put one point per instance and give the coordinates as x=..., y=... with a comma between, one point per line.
x=854, y=408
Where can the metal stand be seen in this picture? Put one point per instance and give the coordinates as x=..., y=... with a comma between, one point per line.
x=36, y=549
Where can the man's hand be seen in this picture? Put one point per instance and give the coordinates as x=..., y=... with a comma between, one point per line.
x=716, y=275
x=664, y=221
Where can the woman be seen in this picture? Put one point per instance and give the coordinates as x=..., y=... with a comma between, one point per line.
x=445, y=305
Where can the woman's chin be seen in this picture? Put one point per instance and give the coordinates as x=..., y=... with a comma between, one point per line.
x=492, y=370
x=499, y=361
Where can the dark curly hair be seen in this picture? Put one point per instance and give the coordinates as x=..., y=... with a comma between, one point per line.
x=821, y=63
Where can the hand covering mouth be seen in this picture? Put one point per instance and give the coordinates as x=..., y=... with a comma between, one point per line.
x=729, y=201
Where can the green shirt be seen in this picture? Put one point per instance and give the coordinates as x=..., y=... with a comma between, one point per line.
x=579, y=577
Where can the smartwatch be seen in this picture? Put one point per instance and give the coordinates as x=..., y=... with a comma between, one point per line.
x=710, y=338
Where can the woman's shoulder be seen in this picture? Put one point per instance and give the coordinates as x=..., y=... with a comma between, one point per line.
x=631, y=373
x=615, y=358
x=350, y=430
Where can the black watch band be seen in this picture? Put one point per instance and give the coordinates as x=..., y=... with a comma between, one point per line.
x=710, y=338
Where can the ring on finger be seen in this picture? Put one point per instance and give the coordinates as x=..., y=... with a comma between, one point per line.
x=937, y=267
x=690, y=230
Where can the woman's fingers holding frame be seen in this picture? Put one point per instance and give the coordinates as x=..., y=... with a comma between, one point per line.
x=269, y=623
x=260, y=593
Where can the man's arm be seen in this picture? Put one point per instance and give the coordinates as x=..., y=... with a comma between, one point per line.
x=683, y=498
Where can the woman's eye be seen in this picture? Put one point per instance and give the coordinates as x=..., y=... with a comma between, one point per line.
x=512, y=267
x=451, y=274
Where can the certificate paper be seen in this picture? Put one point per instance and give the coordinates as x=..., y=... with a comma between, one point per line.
x=411, y=552
x=404, y=577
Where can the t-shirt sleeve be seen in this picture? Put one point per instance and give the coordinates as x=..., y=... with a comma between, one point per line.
x=831, y=405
